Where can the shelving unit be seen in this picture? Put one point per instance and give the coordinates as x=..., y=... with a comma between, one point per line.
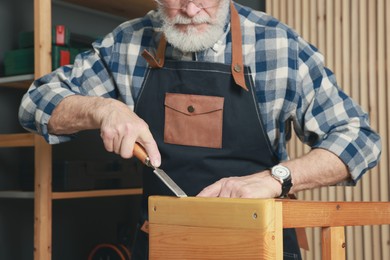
x=43, y=195
x=95, y=193
x=20, y=81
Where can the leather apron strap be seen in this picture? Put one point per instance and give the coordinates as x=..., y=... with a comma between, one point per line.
x=237, y=59
x=158, y=61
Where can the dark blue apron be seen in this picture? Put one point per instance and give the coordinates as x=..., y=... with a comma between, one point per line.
x=206, y=127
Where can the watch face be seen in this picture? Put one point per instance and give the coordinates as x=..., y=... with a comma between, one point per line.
x=281, y=172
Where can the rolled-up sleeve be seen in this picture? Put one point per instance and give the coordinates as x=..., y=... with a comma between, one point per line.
x=87, y=76
x=328, y=118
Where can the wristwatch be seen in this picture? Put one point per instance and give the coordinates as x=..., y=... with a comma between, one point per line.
x=283, y=175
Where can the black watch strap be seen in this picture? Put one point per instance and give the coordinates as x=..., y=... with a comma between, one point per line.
x=286, y=187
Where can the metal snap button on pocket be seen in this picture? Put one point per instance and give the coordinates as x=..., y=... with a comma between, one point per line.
x=191, y=109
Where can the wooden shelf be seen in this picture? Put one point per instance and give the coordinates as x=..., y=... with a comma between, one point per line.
x=16, y=194
x=96, y=193
x=123, y=8
x=20, y=81
x=16, y=140
x=72, y=194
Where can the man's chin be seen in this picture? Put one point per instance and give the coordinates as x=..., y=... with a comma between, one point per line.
x=191, y=40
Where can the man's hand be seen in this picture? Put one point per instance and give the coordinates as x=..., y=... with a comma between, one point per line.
x=119, y=126
x=315, y=169
x=258, y=185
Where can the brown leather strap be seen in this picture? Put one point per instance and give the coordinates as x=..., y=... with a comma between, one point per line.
x=145, y=227
x=302, y=238
x=158, y=61
x=237, y=61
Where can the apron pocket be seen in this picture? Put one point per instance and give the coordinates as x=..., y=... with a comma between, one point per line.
x=193, y=120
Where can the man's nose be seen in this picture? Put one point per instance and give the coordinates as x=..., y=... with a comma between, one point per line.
x=191, y=9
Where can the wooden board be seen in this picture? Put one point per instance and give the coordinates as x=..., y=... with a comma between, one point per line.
x=333, y=214
x=214, y=228
x=17, y=140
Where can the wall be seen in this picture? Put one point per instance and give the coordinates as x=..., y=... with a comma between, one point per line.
x=257, y=5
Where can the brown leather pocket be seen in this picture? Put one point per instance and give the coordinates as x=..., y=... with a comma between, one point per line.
x=193, y=120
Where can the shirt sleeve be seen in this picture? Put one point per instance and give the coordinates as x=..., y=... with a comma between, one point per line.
x=89, y=75
x=328, y=118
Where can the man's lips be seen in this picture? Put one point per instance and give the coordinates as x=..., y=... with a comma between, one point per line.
x=191, y=25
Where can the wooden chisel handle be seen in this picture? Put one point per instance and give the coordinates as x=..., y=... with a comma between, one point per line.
x=141, y=154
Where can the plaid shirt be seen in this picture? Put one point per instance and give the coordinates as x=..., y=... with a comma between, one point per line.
x=293, y=87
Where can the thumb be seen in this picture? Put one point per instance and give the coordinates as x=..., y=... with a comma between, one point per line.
x=151, y=149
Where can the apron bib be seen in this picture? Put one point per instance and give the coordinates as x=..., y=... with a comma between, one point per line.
x=206, y=127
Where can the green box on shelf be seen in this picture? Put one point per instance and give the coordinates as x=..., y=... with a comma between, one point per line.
x=18, y=62
x=21, y=61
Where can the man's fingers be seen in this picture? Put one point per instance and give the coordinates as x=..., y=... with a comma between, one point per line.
x=211, y=191
x=108, y=141
x=231, y=187
x=150, y=145
x=122, y=129
x=127, y=147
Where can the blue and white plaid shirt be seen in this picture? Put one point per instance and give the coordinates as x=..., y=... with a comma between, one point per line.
x=292, y=85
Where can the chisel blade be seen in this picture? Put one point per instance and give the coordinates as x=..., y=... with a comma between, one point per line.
x=141, y=154
x=169, y=183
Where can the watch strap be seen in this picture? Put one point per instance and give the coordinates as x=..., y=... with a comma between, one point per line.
x=286, y=187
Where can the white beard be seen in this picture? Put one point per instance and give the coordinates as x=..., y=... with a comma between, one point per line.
x=192, y=40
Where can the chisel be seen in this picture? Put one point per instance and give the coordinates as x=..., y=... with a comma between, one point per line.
x=141, y=154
